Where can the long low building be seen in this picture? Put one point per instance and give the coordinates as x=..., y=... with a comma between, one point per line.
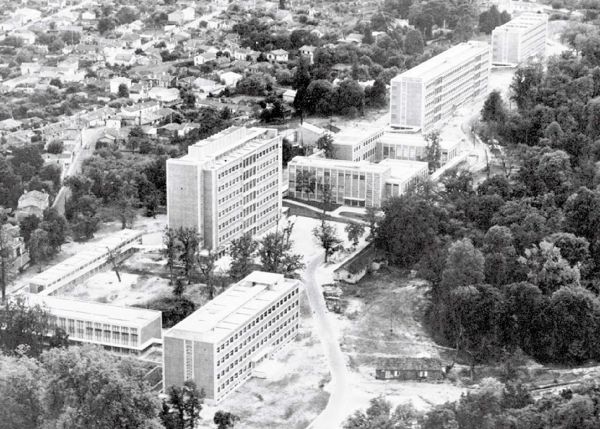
x=412, y=147
x=355, y=184
x=93, y=259
x=117, y=329
x=219, y=345
x=357, y=143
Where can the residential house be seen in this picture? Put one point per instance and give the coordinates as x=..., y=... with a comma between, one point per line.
x=409, y=368
x=204, y=57
x=16, y=251
x=9, y=125
x=181, y=16
x=27, y=36
x=278, y=56
x=243, y=54
x=32, y=203
x=131, y=40
x=230, y=79
x=308, y=52
x=164, y=95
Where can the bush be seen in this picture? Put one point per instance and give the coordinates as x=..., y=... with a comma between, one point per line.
x=55, y=147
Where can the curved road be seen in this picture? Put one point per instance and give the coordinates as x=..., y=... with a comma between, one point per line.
x=334, y=414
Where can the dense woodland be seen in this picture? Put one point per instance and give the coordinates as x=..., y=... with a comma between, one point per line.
x=514, y=260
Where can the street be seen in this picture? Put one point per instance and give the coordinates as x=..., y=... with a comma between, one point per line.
x=334, y=414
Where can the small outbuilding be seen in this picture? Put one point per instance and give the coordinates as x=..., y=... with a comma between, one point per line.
x=409, y=368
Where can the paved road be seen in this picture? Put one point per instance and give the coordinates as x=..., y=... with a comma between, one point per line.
x=334, y=414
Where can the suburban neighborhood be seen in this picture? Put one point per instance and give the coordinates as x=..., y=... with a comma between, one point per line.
x=297, y=214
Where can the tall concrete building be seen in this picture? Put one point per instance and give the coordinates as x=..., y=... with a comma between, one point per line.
x=227, y=185
x=426, y=95
x=519, y=39
x=219, y=345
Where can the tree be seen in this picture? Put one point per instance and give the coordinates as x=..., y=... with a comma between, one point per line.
x=381, y=415
x=355, y=231
x=105, y=24
x=433, y=151
x=242, y=251
x=225, y=419
x=126, y=15
x=39, y=246
x=6, y=263
x=548, y=270
x=325, y=143
x=206, y=266
x=372, y=217
x=171, y=251
x=86, y=387
x=55, y=147
x=23, y=324
x=493, y=108
x=27, y=226
x=188, y=237
x=185, y=404
x=275, y=253
x=413, y=43
x=464, y=266
x=83, y=216
x=123, y=91
x=56, y=226
x=326, y=233
x=524, y=84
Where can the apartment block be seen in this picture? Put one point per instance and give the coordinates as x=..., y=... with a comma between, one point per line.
x=356, y=143
x=219, y=345
x=355, y=184
x=520, y=39
x=412, y=147
x=227, y=185
x=94, y=258
x=117, y=329
x=423, y=97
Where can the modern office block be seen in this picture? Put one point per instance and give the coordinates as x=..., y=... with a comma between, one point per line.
x=220, y=344
x=94, y=258
x=356, y=184
x=118, y=329
x=227, y=185
x=519, y=39
x=423, y=97
x=356, y=143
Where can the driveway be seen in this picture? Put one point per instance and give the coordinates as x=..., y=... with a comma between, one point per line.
x=334, y=414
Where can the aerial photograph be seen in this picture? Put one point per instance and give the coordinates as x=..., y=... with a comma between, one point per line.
x=300, y=214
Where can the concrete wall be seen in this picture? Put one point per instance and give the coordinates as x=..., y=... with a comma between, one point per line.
x=183, y=194
x=173, y=366
x=152, y=330
x=204, y=368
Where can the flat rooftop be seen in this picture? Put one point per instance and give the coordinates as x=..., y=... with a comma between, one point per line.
x=403, y=170
x=355, y=134
x=233, y=308
x=440, y=64
x=362, y=166
x=96, y=312
x=523, y=22
x=90, y=253
x=412, y=139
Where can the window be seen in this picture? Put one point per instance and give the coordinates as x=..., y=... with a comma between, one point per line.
x=188, y=363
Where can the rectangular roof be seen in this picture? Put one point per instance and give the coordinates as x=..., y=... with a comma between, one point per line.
x=359, y=166
x=94, y=311
x=233, y=308
x=440, y=64
x=523, y=22
x=403, y=170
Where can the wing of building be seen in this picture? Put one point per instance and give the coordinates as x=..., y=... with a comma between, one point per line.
x=520, y=39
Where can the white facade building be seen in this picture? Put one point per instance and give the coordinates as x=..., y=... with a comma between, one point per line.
x=426, y=95
x=227, y=185
x=519, y=39
x=219, y=345
x=356, y=143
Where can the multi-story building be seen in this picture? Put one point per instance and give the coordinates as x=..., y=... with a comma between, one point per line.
x=412, y=147
x=117, y=329
x=220, y=344
x=93, y=259
x=519, y=39
x=428, y=94
x=356, y=184
x=356, y=143
x=227, y=185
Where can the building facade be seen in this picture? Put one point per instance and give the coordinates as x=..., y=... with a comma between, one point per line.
x=426, y=95
x=219, y=345
x=521, y=38
x=227, y=185
x=350, y=183
x=356, y=144
x=412, y=147
x=118, y=329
